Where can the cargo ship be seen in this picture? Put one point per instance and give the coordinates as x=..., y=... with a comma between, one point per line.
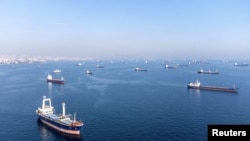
x=197, y=85
x=51, y=79
x=57, y=71
x=241, y=65
x=201, y=71
x=170, y=67
x=62, y=123
x=79, y=64
x=89, y=72
x=140, y=69
x=99, y=66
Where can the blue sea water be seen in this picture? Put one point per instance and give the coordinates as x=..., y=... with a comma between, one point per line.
x=118, y=103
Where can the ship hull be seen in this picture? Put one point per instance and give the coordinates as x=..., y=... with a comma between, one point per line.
x=170, y=67
x=212, y=88
x=67, y=129
x=208, y=72
x=141, y=70
x=55, y=81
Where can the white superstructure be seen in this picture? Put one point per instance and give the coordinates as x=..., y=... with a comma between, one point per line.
x=194, y=84
x=46, y=107
x=49, y=77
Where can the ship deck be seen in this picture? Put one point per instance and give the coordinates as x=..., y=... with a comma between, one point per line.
x=66, y=121
x=215, y=88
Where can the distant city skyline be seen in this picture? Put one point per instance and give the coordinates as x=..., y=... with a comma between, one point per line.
x=126, y=29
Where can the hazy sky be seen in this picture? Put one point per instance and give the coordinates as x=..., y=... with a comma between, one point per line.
x=126, y=28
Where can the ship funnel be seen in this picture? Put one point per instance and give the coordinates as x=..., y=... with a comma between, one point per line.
x=63, y=109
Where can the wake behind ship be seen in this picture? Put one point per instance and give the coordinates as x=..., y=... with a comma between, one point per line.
x=62, y=123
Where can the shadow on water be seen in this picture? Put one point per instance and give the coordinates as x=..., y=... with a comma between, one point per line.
x=45, y=130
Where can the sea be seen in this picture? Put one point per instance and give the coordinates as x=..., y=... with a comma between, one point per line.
x=117, y=103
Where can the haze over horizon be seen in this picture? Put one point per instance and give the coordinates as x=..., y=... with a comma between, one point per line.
x=131, y=28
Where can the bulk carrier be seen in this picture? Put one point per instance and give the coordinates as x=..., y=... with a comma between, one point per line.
x=197, y=85
x=62, y=123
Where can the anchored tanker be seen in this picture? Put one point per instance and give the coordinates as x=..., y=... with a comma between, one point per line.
x=62, y=123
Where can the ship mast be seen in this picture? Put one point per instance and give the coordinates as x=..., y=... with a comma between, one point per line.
x=74, y=116
x=63, y=109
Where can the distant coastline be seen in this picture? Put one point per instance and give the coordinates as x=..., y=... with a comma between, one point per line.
x=6, y=59
x=28, y=59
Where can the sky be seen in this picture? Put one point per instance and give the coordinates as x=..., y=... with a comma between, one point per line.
x=126, y=28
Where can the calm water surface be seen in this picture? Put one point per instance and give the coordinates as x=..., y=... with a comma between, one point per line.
x=117, y=103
